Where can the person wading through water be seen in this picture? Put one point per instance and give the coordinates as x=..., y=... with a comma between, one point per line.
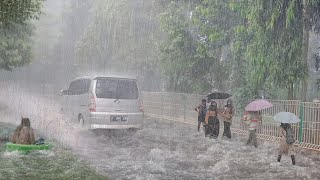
x=286, y=142
x=212, y=120
x=227, y=119
x=252, y=119
x=202, y=110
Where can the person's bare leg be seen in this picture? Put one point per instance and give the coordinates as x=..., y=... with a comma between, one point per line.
x=293, y=160
x=279, y=158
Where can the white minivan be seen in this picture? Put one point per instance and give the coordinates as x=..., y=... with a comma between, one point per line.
x=100, y=102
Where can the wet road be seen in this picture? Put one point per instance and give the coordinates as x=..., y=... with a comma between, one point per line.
x=162, y=150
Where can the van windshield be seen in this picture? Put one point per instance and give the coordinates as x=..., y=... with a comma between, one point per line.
x=111, y=88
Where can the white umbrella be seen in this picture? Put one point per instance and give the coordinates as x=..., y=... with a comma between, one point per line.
x=286, y=117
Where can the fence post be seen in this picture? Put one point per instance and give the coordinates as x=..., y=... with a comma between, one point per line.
x=301, y=122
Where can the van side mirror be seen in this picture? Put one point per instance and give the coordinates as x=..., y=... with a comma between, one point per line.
x=64, y=92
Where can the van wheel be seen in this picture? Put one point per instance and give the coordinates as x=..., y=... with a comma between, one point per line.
x=81, y=120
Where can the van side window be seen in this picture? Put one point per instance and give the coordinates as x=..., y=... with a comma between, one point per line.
x=79, y=87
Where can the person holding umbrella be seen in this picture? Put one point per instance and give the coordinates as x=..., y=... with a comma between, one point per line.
x=252, y=119
x=285, y=146
x=286, y=134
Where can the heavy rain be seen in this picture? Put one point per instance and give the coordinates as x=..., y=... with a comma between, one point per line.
x=160, y=89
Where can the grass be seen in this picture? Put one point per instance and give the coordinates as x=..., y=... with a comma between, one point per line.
x=56, y=164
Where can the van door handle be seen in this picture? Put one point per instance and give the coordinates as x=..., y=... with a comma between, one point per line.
x=118, y=109
x=83, y=105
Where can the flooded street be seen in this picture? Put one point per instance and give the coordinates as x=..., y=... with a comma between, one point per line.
x=111, y=63
x=162, y=150
x=172, y=151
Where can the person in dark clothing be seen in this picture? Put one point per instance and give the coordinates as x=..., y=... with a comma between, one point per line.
x=201, y=109
x=227, y=119
x=212, y=120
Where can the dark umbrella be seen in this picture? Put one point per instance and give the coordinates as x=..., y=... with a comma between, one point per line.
x=219, y=95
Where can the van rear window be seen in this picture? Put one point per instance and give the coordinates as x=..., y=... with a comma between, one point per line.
x=111, y=88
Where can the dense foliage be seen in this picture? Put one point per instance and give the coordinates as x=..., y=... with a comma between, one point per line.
x=19, y=11
x=267, y=43
x=16, y=31
x=15, y=45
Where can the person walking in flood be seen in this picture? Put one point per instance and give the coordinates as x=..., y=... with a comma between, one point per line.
x=286, y=142
x=252, y=120
x=202, y=110
x=227, y=115
x=212, y=120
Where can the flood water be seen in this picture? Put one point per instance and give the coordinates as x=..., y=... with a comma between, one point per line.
x=162, y=150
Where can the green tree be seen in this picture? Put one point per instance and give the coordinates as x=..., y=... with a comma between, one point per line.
x=216, y=22
x=281, y=61
x=185, y=54
x=19, y=11
x=311, y=22
x=178, y=49
x=16, y=31
x=275, y=47
x=15, y=45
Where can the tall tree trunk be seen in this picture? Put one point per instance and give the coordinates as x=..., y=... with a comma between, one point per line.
x=295, y=91
x=217, y=74
x=305, y=44
x=290, y=91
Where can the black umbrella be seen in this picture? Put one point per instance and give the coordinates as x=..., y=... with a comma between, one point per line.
x=219, y=95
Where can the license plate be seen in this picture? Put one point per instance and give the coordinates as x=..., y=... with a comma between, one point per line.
x=119, y=118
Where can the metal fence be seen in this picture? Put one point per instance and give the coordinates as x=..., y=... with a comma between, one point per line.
x=179, y=107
